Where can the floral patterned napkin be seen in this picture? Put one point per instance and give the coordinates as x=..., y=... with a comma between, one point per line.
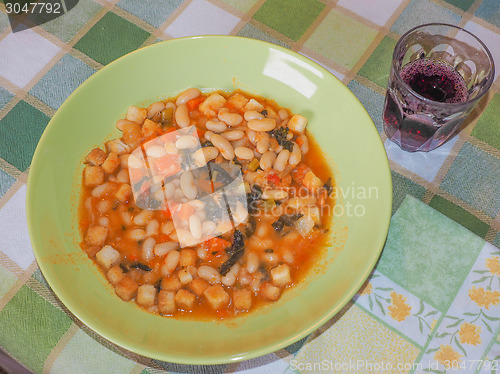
x=432, y=305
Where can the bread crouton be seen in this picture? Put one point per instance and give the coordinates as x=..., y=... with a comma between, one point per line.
x=254, y=105
x=115, y=274
x=126, y=288
x=96, y=235
x=137, y=115
x=124, y=192
x=166, y=302
x=242, y=299
x=188, y=258
x=184, y=299
x=216, y=296
x=111, y=163
x=150, y=128
x=93, y=175
x=107, y=257
x=281, y=275
x=238, y=100
x=170, y=283
x=185, y=276
x=96, y=157
x=270, y=292
x=198, y=286
x=146, y=295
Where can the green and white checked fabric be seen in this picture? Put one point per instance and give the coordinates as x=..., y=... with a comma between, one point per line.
x=435, y=294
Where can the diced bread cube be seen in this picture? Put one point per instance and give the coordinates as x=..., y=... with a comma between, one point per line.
x=297, y=124
x=188, y=258
x=96, y=157
x=137, y=115
x=107, y=257
x=212, y=103
x=216, y=296
x=185, y=276
x=281, y=275
x=238, y=100
x=198, y=286
x=126, y=288
x=115, y=274
x=96, y=235
x=184, y=299
x=150, y=128
x=311, y=181
x=124, y=192
x=270, y=292
x=166, y=302
x=93, y=175
x=117, y=146
x=254, y=105
x=170, y=283
x=111, y=163
x=92, y=250
x=242, y=299
x=146, y=295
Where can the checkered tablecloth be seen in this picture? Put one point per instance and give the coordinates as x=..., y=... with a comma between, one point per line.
x=440, y=303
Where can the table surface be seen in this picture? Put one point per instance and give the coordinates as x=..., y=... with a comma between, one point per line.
x=353, y=39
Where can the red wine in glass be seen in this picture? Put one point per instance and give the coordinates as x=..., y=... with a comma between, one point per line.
x=436, y=81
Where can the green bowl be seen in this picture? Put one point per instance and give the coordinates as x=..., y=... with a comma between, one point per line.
x=337, y=120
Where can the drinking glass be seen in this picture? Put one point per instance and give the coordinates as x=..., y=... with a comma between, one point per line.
x=439, y=72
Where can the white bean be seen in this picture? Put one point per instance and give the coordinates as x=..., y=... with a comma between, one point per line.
x=252, y=262
x=155, y=108
x=252, y=114
x=253, y=136
x=186, y=141
x=161, y=249
x=169, y=190
x=281, y=160
x=188, y=186
x=208, y=227
x=103, y=206
x=101, y=190
x=223, y=145
x=202, y=254
x=147, y=249
x=208, y=273
x=170, y=263
x=274, y=194
x=127, y=218
x=216, y=126
x=295, y=156
x=182, y=116
x=233, y=135
x=167, y=228
x=152, y=227
x=267, y=160
x=204, y=155
x=244, y=277
x=263, y=143
x=135, y=162
x=243, y=153
x=189, y=94
x=230, y=119
x=136, y=234
x=264, y=124
x=124, y=160
x=229, y=279
x=156, y=151
x=122, y=176
x=103, y=221
x=283, y=114
x=208, y=135
x=195, y=226
x=288, y=256
x=143, y=217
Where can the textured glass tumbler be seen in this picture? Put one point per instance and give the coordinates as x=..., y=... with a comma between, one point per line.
x=438, y=74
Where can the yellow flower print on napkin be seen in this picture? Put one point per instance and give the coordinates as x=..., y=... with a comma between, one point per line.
x=484, y=297
x=493, y=264
x=366, y=289
x=446, y=355
x=469, y=334
x=399, y=309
